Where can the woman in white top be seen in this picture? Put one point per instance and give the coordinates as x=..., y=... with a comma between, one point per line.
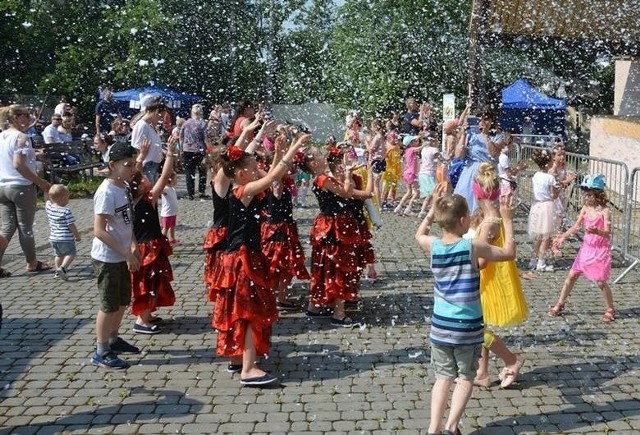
x=18, y=182
x=143, y=129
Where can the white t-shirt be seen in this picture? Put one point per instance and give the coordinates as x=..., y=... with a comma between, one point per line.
x=50, y=134
x=504, y=163
x=115, y=202
x=143, y=130
x=428, y=162
x=542, y=184
x=9, y=147
x=169, y=202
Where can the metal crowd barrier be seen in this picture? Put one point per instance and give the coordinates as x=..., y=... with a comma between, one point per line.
x=623, y=191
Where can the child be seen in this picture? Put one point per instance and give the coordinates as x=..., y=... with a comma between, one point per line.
x=62, y=229
x=457, y=324
x=410, y=174
x=391, y=175
x=115, y=254
x=541, y=223
x=594, y=257
x=245, y=307
x=564, y=179
x=507, y=173
x=279, y=234
x=169, y=209
x=503, y=302
x=376, y=150
x=151, y=284
x=427, y=174
x=337, y=244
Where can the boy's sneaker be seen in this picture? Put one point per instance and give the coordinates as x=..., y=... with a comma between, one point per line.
x=122, y=346
x=532, y=263
x=109, y=361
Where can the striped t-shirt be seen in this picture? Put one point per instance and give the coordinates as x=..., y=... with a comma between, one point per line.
x=457, y=313
x=59, y=220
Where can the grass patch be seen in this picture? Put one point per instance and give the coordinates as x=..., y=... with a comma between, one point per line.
x=84, y=187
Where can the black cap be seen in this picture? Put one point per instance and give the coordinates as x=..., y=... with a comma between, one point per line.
x=121, y=151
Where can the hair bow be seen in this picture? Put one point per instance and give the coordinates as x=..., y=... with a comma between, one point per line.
x=335, y=152
x=299, y=157
x=234, y=153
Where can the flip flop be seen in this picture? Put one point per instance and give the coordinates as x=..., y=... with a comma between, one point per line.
x=510, y=375
x=40, y=267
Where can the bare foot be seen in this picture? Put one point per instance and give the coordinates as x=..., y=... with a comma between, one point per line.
x=484, y=382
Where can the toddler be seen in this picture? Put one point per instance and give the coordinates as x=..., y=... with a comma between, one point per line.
x=63, y=233
x=169, y=210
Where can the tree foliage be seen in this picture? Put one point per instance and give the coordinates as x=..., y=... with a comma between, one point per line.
x=367, y=54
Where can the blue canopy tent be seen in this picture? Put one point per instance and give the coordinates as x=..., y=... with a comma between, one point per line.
x=521, y=100
x=180, y=103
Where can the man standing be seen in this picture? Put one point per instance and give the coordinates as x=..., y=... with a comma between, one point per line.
x=192, y=139
x=106, y=111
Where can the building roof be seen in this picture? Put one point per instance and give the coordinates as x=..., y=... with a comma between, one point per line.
x=609, y=20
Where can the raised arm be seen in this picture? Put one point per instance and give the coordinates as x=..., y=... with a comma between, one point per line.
x=167, y=170
x=482, y=249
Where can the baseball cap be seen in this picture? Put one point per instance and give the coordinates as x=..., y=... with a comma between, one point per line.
x=408, y=139
x=595, y=182
x=121, y=151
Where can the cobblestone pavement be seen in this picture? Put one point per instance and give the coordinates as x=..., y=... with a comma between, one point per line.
x=580, y=375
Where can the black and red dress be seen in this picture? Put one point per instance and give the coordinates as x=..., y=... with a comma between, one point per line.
x=365, y=252
x=244, y=287
x=280, y=239
x=336, y=246
x=216, y=240
x=151, y=284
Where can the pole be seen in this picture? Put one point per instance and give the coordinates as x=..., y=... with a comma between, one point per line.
x=477, y=25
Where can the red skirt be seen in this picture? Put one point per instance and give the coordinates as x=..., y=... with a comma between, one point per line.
x=151, y=284
x=282, y=248
x=213, y=243
x=244, y=298
x=338, y=255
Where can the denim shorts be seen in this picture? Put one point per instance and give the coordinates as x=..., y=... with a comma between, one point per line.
x=451, y=362
x=63, y=249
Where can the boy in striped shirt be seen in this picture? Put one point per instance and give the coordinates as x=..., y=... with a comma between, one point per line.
x=63, y=233
x=457, y=328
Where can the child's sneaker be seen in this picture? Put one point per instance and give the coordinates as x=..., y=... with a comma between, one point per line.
x=62, y=274
x=109, y=361
x=532, y=263
x=422, y=214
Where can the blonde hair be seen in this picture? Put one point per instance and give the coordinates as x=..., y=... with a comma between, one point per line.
x=8, y=112
x=487, y=177
x=449, y=209
x=58, y=191
x=476, y=218
x=180, y=121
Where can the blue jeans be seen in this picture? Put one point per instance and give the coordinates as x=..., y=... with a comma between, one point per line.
x=150, y=170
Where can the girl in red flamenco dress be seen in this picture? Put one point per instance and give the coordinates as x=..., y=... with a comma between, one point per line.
x=245, y=306
x=151, y=284
x=336, y=240
x=281, y=241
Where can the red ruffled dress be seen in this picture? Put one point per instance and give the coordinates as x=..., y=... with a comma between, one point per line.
x=216, y=240
x=365, y=253
x=151, y=284
x=244, y=287
x=280, y=240
x=337, y=246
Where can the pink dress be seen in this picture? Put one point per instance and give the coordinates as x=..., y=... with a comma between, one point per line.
x=594, y=256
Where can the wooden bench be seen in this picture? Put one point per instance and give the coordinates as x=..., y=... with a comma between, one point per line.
x=69, y=158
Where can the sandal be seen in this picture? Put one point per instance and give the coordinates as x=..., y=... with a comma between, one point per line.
x=510, y=374
x=40, y=267
x=608, y=316
x=556, y=310
x=4, y=273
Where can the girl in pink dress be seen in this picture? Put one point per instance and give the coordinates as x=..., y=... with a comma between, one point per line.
x=594, y=256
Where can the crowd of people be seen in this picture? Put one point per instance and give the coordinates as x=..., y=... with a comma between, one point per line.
x=257, y=171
